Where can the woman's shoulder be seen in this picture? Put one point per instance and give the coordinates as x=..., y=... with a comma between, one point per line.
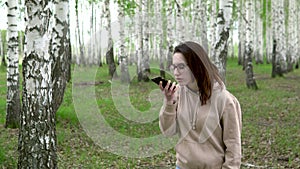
x=222, y=94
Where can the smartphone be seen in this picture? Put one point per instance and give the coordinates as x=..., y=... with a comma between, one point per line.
x=158, y=79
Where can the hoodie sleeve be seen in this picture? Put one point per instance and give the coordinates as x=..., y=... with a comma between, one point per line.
x=232, y=126
x=167, y=119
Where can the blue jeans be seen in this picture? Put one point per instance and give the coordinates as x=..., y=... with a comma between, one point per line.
x=177, y=167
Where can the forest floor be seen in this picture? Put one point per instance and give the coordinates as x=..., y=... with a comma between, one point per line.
x=270, y=137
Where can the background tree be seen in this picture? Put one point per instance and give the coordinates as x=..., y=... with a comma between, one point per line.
x=220, y=48
x=125, y=77
x=13, y=105
x=292, y=38
x=250, y=81
x=110, y=47
x=3, y=49
x=37, y=143
x=258, y=39
x=278, y=26
x=60, y=52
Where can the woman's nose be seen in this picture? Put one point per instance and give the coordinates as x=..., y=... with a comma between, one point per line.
x=176, y=72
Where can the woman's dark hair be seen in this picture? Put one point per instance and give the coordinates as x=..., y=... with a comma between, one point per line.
x=204, y=71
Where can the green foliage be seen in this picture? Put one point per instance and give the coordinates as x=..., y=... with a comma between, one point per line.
x=186, y=3
x=128, y=6
x=270, y=122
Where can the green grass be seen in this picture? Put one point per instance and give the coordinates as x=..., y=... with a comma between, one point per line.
x=271, y=115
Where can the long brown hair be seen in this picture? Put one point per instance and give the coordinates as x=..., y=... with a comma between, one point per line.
x=204, y=71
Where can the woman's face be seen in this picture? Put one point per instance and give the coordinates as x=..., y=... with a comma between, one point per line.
x=181, y=71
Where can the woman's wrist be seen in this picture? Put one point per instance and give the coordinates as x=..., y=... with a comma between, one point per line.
x=170, y=102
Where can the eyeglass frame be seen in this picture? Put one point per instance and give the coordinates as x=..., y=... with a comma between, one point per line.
x=180, y=67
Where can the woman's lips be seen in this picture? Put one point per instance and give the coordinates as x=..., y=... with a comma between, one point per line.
x=178, y=79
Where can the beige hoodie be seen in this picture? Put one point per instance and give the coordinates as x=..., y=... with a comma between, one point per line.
x=215, y=142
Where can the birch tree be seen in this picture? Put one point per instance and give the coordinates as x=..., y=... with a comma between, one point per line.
x=110, y=47
x=269, y=39
x=140, y=66
x=169, y=33
x=60, y=51
x=292, y=35
x=250, y=80
x=123, y=57
x=37, y=136
x=203, y=11
x=146, y=38
x=179, y=21
x=258, y=45
x=278, y=26
x=199, y=27
x=13, y=105
x=163, y=35
x=213, y=25
x=3, y=38
x=79, y=37
x=221, y=44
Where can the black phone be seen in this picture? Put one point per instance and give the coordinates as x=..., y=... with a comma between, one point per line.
x=158, y=79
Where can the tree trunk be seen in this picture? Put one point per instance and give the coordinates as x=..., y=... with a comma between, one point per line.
x=3, y=52
x=259, y=33
x=163, y=35
x=279, y=36
x=203, y=24
x=37, y=135
x=146, y=38
x=110, y=48
x=169, y=34
x=125, y=77
x=79, y=37
x=223, y=28
x=250, y=81
x=13, y=105
x=60, y=49
x=292, y=35
x=269, y=41
x=140, y=42
x=213, y=25
x=179, y=22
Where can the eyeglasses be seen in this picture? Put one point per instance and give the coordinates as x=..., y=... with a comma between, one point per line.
x=180, y=67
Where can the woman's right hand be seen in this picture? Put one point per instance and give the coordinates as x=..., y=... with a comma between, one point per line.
x=169, y=91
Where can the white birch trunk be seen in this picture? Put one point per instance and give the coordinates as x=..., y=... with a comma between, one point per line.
x=125, y=78
x=250, y=80
x=146, y=38
x=162, y=28
x=60, y=52
x=13, y=105
x=110, y=47
x=140, y=41
x=292, y=39
x=258, y=50
x=179, y=22
x=241, y=34
x=170, y=36
x=37, y=136
x=80, y=55
x=213, y=26
x=280, y=66
x=223, y=29
x=203, y=24
x=269, y=39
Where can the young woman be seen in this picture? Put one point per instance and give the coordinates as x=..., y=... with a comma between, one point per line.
x=202, y=112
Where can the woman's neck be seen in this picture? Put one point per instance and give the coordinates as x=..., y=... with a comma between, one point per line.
x=193, y=86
